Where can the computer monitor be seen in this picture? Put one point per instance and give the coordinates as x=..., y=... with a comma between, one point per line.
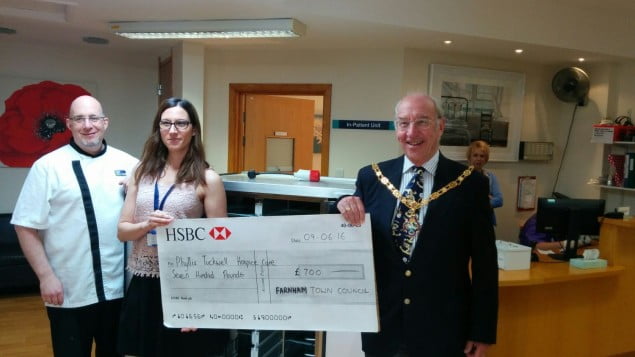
x=568, y=218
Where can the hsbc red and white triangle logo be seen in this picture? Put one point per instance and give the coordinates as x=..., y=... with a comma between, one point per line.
x=220, y=233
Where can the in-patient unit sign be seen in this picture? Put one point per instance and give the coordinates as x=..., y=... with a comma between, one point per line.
x=306, y=272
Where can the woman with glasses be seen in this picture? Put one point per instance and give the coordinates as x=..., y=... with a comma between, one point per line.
x=171, y=181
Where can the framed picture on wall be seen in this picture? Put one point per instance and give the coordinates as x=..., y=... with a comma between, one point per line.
x=526, y=193
x=479, y=104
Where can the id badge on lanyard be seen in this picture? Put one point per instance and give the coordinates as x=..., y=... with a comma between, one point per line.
x=151, y=237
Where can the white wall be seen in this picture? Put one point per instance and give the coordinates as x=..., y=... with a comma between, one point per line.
x=366, y=85
x=538, y=125
x=125, y=84
x=545, y=118
x=188, y=78
x=583, y=160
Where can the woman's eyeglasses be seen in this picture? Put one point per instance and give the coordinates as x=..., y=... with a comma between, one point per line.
x=178, y=124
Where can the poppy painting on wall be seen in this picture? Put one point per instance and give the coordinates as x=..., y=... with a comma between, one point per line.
x=34, y=121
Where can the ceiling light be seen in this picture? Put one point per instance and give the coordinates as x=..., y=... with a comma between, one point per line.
x=256, y=28
x=581, y=59
x=41, y=10
x=518, y=50
x=447, y=42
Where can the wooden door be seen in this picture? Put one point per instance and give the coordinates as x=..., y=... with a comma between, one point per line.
x=266, y=115
x=238, y=93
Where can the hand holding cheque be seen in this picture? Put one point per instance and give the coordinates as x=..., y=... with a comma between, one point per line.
x=302, y=272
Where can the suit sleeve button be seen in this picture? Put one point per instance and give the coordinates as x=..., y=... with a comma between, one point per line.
x=406, y=301
x=408, y=273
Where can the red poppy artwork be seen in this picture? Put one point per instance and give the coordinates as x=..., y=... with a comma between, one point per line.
x=34, y=121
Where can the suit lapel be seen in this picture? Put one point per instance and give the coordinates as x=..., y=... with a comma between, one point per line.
x=393, y=171
x=441, y=178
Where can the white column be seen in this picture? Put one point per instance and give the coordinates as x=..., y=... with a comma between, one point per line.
x=189, y=76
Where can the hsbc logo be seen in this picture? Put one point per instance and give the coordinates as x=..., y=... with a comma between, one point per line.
x=190, y=234
x=220, y=233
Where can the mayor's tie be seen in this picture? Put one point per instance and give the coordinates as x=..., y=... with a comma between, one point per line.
x=405, y=225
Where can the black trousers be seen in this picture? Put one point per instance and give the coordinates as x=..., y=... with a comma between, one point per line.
x=74, y=329
x=142, y=333
x=402, y=352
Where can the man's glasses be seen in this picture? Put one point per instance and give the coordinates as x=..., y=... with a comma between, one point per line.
x=178, y=124
x=424, y=123
x=92, y=118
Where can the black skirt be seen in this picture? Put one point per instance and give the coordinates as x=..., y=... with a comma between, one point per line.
x=142, y=333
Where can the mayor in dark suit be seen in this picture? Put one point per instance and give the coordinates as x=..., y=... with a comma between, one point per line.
x=434, y=244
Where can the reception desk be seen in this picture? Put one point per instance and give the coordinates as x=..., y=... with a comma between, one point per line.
x=555, y=310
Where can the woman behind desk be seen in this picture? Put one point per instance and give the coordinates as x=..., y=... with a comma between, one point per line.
x=530, y=237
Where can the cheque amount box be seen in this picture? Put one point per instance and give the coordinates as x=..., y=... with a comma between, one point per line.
x=330, y=271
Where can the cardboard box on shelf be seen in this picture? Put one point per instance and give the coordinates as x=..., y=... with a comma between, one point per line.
x=610, y=133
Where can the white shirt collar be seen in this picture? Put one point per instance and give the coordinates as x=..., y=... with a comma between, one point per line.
x=430, y=165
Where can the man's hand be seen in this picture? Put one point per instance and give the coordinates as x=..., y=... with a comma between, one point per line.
x=51, y=290
x=352, y=209
x=124, y=184
x=475, y=349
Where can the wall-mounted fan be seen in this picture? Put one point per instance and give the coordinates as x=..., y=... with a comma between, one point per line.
x=571, y=84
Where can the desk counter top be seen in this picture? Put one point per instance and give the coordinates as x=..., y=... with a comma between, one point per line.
x=624, y=223
x=546, y=273
x=555, y=310
x=288, y=185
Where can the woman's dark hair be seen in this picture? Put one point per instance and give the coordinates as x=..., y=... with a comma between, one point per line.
x=155, y=153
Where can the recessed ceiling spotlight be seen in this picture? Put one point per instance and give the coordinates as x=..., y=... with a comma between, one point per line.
x=518, y=50
x=581, y=59
x=448, y=42
x=95, y=40
x=7, y=31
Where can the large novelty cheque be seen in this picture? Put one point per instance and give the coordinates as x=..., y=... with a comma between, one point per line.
x=305, y=272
